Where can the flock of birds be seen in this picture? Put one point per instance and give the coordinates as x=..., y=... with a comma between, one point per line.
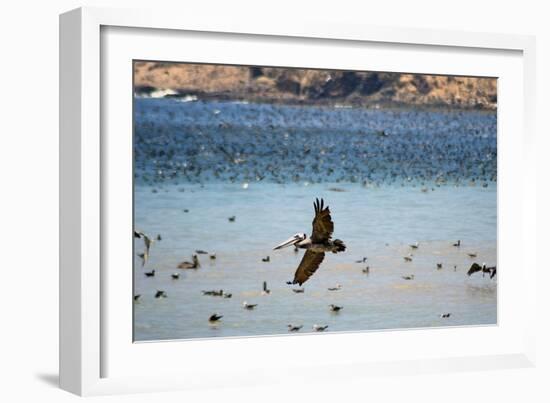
x=202, y=142
x=316, y=246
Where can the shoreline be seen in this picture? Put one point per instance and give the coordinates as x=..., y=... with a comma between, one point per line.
x=147, y=92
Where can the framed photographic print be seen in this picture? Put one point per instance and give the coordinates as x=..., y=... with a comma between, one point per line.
x=251, y=195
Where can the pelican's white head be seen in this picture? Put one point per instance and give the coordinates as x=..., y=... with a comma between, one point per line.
x=293, y=240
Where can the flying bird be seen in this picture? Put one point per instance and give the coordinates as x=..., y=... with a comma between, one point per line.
x=316, y=245
x=147, y=242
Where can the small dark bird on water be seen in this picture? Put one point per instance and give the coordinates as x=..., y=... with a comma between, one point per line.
x=201, y=252
x=361, y=260
x=319, y=328
x=190, y=265
x=335, y=308
x=248, y=306
x=159, y=238
x=265, y=259
x=298, y=290
x=214, y=293
x=439, y=266
x=408, y=258
x=227, y=295
x=414, y=246
x=457, y=244
x=150, y=273
x=445, y=315
x=411, y=277
x=160, y=294
x=472, y=255
x=232, y=218
x=294, y=328
x=136, y=297
x=336, y=288
x=265, y=290
x=366, y=270
x=175, y=276
x=213, y=256
x=215, y=317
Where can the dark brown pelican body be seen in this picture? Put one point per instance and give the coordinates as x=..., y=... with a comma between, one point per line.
x=316, y=245
x=474, y=268
x=190, y=265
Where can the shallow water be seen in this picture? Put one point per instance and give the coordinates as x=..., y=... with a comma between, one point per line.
x=378, y=223
x=421, y=183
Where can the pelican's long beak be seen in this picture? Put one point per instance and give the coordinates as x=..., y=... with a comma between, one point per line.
x=288, y=242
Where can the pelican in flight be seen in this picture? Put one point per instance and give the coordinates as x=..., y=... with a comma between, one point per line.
x=316, y=245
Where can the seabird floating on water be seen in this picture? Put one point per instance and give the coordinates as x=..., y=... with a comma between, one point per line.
x=214, y=293
x=298, y=290
x=213, y=256
x=319, y=328
x=472, y=255
x=175, y=276
x=265, y=290
x=414, y=246
x=457, y=244
x=265, y=259
x=248, y=306
x=445, y=315
x=160, y=294
x=408, y=258
x=294, y=328
x=336, y=288
x=316, y=245
x=411, y=277
x=190, y=265
x=335, y=308
x=201, y=252
x=232, y=218
x=215, y=317
x=439, y=266
x=136, y=297
x=150, y=273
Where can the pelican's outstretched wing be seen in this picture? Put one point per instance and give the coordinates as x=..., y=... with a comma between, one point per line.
x=309, y=264
x=323, y=227
x=473, y=269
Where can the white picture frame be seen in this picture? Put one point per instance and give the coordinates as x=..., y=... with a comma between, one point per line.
x=93, y=350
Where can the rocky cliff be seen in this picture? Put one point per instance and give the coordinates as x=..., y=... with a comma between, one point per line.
x=309, y=86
